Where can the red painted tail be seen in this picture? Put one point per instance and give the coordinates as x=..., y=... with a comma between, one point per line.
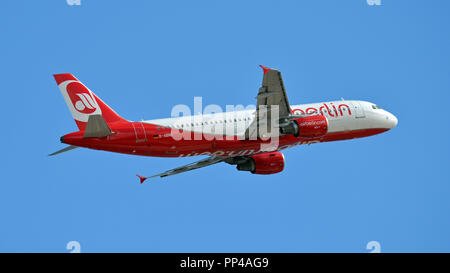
x=82, y=102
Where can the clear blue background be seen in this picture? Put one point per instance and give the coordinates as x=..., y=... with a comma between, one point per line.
x=143, y=57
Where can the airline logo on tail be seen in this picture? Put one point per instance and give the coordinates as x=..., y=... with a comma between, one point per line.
x=82, y=102
x=79, y=99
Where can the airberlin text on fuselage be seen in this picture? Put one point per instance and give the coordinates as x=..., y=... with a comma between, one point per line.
x=337, y=111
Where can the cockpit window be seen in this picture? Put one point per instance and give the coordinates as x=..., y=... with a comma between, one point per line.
x=375, y=107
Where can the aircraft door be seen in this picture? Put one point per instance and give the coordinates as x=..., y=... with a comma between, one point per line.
x=358, y=109
x=140, y=132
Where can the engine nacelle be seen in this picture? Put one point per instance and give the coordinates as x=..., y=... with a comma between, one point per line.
x=267, y=163
x=312, y=126
x=307, y=127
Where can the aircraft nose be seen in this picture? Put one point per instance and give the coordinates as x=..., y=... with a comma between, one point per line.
x=392, y=120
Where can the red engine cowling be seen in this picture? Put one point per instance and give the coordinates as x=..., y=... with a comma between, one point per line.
x=267, y=163
x=312, y=126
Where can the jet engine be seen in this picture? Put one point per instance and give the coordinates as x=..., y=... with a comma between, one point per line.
x=306, y=127
x=267, y=163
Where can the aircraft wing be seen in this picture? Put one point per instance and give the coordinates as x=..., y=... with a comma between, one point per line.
x=272, y=93
x=189, y=167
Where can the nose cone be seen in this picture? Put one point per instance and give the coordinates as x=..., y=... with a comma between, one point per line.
x=391, y=120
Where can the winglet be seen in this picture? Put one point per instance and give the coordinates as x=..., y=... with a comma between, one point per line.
x=265, y=69
x=141, y=178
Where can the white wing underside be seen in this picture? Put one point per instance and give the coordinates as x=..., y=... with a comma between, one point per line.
x=189, y=167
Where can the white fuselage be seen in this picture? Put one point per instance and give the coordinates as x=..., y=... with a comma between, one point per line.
x=343, y=115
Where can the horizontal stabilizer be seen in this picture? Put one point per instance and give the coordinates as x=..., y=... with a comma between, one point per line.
x=96, y=127
x=68, y=148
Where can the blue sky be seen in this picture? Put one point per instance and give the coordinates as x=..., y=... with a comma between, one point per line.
x=144, y=57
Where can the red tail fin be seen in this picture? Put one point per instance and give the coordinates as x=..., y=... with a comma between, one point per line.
x=82, y=102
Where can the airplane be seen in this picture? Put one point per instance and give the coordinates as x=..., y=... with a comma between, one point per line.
x=233, y=137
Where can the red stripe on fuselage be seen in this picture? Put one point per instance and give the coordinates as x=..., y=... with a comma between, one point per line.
x=159, y=142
